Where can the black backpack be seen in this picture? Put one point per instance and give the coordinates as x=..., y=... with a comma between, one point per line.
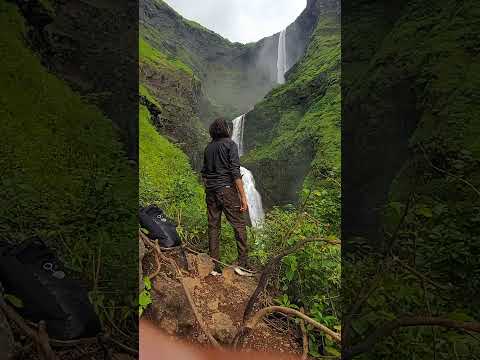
x=159, y=226
x=32, y=273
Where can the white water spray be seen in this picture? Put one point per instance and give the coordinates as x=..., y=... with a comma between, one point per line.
x=255, y=207
x=282, y=57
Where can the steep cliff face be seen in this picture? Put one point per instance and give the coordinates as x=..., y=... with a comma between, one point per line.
x=62, y=164
x=70, y=36
x=410, y=98
x=234, y=76
x=172, y=95
x=293, y=135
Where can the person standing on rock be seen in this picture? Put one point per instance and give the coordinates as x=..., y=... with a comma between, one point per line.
x=224, y=190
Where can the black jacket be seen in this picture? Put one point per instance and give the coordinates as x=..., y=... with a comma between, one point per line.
x=221, y=164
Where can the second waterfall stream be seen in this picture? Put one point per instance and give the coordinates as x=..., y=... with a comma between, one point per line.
x=254, y=199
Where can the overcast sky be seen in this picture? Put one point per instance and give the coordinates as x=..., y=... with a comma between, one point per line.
x=241, y=20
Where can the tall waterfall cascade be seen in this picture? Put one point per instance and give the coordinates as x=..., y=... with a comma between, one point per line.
x=282, y=57
x=255, y=207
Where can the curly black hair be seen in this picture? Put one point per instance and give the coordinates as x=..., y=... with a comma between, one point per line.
x=219, y=129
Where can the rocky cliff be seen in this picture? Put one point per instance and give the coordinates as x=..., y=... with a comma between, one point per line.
x=197, y=75
x=70, y=36
x=293, y=135
x=234, y=76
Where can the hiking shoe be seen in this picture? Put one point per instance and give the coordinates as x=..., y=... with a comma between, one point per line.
x=217, y=270
x=241, y=272
x=245, y=265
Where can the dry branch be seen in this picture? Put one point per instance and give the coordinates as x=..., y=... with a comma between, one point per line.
x=39, y=336
x=271, y=265
x=389, y=327
x=252, y=323
x=304, y=337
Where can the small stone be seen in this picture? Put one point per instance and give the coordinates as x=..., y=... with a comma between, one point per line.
x=223, y=328
x=204, y=265
x=191, y=283
x=213, y=305
x=169, y=326
x=229, y=275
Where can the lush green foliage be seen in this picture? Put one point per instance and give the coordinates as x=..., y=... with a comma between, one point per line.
x=424, y=69
x=294, y=133
x=166, y=177
x=145, y=297
x=158, y=59
x=64, y=175
x=310, y=277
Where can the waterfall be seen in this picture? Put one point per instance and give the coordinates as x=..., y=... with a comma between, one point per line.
x=282, y=57
x=255, y=207
x=237, y=133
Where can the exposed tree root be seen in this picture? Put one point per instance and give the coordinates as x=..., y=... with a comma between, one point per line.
x=39, y=336
x=252, y=323
x=178, y=273
x=304, y=337
x=389, y=327
x=270, y=267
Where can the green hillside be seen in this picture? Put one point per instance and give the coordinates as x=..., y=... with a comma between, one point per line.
x=166, y=177
x=233, y=76
x=293, y=135
x=65, y=176
x=413, y=97
x=174, y=99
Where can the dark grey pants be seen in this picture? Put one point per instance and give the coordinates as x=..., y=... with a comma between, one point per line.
x=226, y=200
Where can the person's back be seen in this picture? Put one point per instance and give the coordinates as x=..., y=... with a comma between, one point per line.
x=224, y=190
x=221, y=164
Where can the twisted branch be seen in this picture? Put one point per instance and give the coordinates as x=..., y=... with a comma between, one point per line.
x=304, y=337
x=389, y=327
x=251, y=324
x=178, y=273
x=262, y=283
x=40, y=337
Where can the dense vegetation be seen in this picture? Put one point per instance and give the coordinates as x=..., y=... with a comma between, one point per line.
x=65, y=176
x=300, y=118
x=166, y=177
x=419, y=111
x=233, y=76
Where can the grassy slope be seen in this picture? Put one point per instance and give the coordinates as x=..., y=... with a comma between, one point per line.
x=175, y=90
x=157, y=59
x=166, y=177
x=422, y=80
x=294, y=134
x=58, y=171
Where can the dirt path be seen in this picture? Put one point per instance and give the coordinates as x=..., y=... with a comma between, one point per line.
x=220, y=300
